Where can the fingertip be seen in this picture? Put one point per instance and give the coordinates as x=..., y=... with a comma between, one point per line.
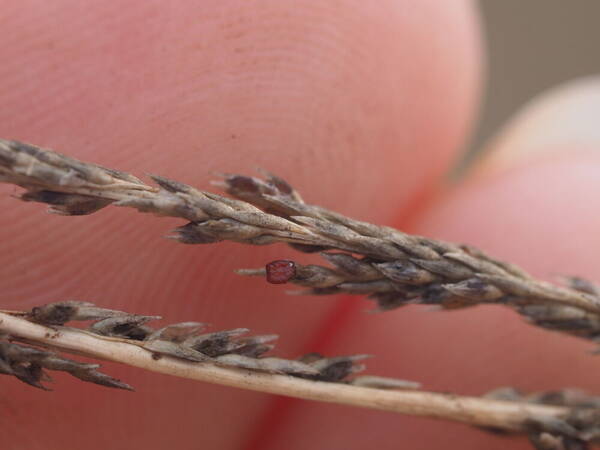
x=341, y=99
x=561, y=119
x=529, y=201
x=540, y=216
x=314, y=93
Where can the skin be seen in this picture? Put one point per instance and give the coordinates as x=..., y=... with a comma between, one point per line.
x=363, y=108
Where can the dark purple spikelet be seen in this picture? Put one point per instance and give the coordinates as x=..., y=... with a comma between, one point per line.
x=280, y=271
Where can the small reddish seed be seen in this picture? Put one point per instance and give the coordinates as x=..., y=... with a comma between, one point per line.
x=280, y=271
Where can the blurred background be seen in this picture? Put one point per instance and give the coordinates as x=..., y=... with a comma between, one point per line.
x=533, y=45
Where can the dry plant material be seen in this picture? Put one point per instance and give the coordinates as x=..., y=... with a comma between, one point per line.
x=568, y=418
x=579, y=429
x=186, y=340
x=27, y=364
x=391, y=268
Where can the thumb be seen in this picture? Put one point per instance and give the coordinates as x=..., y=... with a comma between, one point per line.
x=565, y=116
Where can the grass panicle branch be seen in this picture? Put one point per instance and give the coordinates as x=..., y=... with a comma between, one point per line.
x=27, y=363
x=187, y=341
x=390, y=267
x=222, y=357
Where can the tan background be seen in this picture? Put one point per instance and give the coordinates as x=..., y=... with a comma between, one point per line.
x=533, y=45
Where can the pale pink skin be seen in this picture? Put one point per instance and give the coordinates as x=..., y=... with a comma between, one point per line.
x=363, y=106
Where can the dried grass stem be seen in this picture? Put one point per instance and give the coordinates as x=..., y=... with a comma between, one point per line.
x=509, y=416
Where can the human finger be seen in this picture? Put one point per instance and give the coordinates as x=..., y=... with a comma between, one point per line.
x=536, y=209
x=341, y=99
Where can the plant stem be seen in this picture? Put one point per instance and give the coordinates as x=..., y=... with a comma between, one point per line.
x=504, y=415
